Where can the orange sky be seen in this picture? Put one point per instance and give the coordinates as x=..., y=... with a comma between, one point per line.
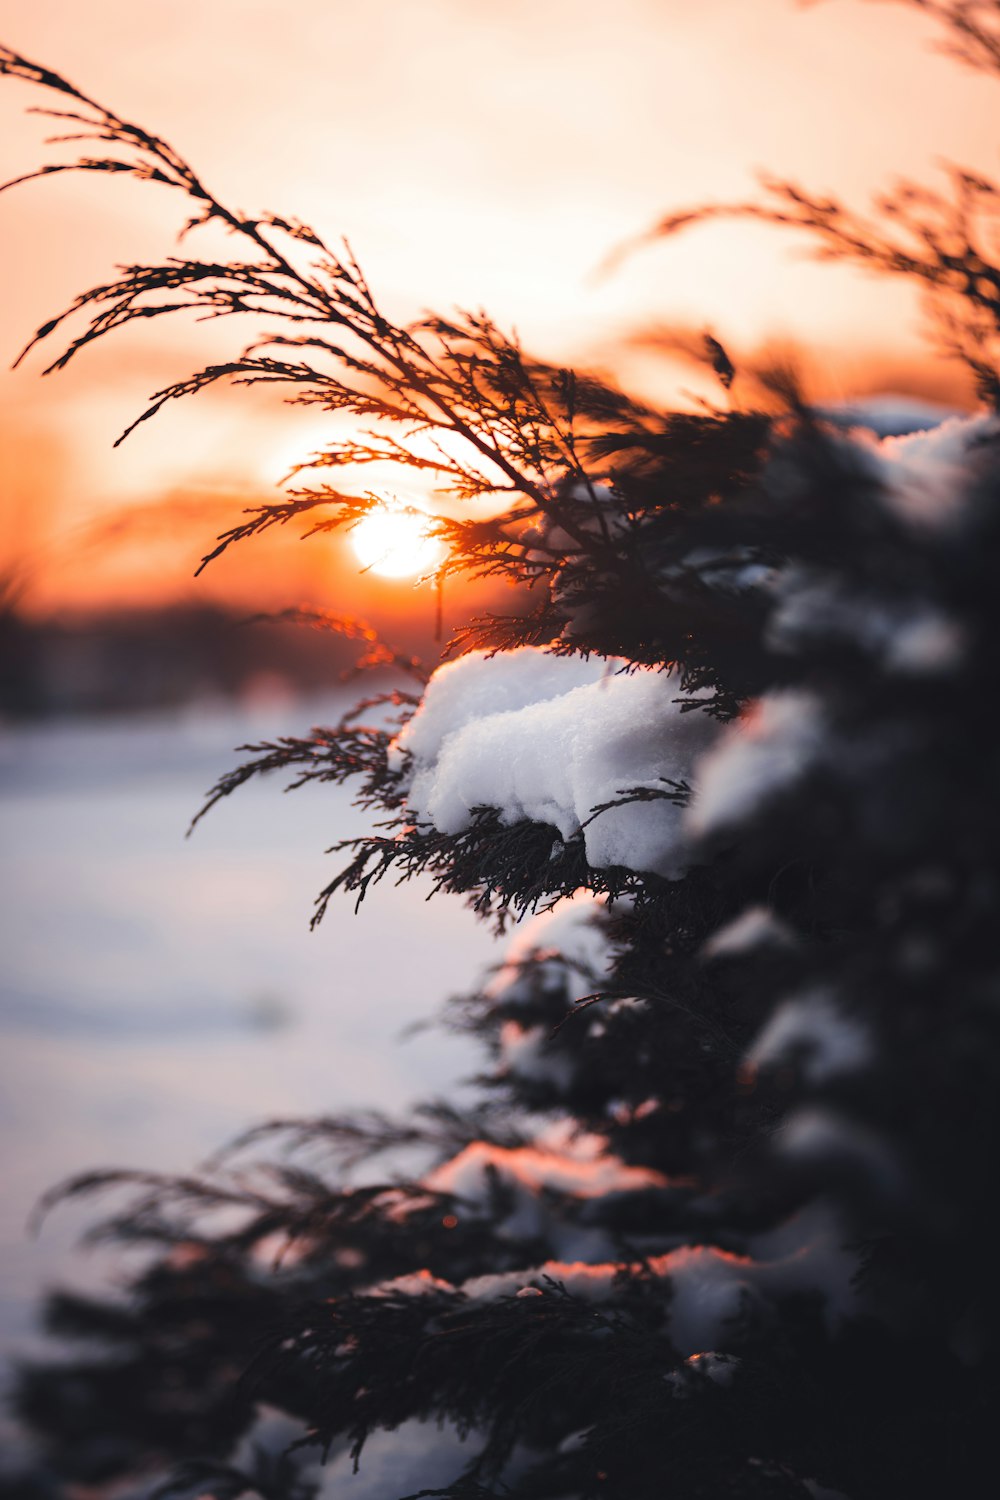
x=480, y=152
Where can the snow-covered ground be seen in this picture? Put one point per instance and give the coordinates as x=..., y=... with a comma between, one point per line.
x=158, y=994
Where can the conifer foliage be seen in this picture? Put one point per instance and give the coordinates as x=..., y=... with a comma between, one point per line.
x=721, y=1221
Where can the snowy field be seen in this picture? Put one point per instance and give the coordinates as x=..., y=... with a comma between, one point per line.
x=160, y=994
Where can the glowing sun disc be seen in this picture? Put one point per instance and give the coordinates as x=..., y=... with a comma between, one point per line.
x=394, y=542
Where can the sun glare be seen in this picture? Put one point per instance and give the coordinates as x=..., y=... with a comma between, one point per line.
x=394, y=541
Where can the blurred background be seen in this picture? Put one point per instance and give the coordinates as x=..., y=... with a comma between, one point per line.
x=159, y=995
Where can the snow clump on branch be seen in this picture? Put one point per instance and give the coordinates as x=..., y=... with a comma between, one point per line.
x=550, y=739
x=568, y=942
x=926, y=475
x=716, y=1297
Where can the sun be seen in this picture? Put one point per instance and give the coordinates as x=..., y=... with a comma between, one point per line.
x=394, y=541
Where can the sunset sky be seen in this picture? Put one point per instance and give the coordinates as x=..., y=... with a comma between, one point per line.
x=476, y=152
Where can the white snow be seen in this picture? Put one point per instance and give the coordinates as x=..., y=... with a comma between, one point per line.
x=711, y=1291
x=549, y=739
x=756, y=927
x=413, y=1284
x=580, y=1278
x=563, y=951
x=527, y=1052
x=574, y=1440
x=591, y=1175
x=735, y=569
x=543, y=1187
x=427, y=1455
x=888, y=415
x=769, y=748
x=598, y=1027
x=817, y=1134
x=924, y=478
x=925, y=644
x=606, y=513
x=478, y=686
x=579, y=1169
x=813, y=1030
x=714, y=1293
x=719, y=1368
x=927, y=474
x=812, y=1253
x=567, y=947
x=902, y=636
